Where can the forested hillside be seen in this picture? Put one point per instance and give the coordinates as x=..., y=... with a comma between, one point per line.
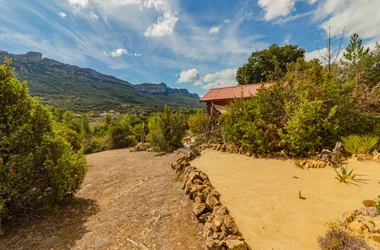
x=78, y=89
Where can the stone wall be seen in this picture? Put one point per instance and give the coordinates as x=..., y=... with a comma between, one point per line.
x=220, y=229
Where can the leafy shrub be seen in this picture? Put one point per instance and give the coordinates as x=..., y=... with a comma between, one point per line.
x=338, y=239
x=199, y=123
x=166, y=130
x=120, y=134
x=38, y=167
x=360, y=144
x=93, y=146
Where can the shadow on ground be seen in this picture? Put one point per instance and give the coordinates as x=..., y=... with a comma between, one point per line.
x=59, y=231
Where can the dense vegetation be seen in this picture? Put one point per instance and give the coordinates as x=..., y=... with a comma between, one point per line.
x=166, y=130
x=38, y=166
x=269, y=64
x=82, y=90
x=310, y=107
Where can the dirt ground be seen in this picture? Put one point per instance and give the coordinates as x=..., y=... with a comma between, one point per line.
x=262, y=196
x=127, y=201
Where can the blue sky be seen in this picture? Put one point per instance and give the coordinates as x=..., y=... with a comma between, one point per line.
x=193, y=44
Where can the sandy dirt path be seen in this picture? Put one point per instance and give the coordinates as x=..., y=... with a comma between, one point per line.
x=262, y=196
x=127, y=201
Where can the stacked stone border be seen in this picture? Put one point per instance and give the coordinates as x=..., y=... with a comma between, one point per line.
x=220, y=229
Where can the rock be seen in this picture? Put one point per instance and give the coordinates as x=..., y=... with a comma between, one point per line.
x=348, y=217
x=207, y=230
x=203, y=217
x=194, y=175
x=370, y=226
x=212, y=201
x=196, y=188
x=368, y=203
x=203, y=176
x=212, y=244
x=217, y=224
x=220, y=210
x=231, y=225
x=188, y=185
x=375, y=237
x=236, y=245
x=355, y=226
x=199, y=209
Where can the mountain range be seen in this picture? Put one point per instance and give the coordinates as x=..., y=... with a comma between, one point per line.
x=82, y=89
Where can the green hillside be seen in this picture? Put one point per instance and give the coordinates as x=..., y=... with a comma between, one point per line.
x=79, y=89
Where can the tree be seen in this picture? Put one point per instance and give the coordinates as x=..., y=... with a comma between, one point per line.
x=38, y=167
x=166, y=129
x=268, y=64
x=355, y=49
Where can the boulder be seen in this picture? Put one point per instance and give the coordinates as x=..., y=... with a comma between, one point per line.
x=199, y=209
x=212, y=244
x=236, y=245
x=368, y=203
x=212, y=201
x=375, y=237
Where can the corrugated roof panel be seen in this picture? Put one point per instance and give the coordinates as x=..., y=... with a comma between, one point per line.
x=227, y=93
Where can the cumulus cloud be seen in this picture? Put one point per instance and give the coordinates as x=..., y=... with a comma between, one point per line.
x=219, y=79
x=227, y=21
x=93, y=15
x=119, y=52
x=355, y=16
x=276, y=8
x=81, y=3
x=214, y=30
x=164, y=26
x=191, y=75
x=62, y=14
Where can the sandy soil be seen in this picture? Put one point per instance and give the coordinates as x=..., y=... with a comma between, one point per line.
x=127, y=201
x=262, y=196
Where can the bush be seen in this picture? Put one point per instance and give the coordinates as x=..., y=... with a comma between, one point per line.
x=38, y=167
x=166, y=130
x=360, y=144
x=93, y=146
x=120, y=134
x=338, y=239
x=199, y=123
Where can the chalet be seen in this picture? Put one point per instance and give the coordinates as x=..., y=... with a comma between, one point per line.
x=218, y=98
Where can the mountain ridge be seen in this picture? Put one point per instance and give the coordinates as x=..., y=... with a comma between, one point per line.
x=83, y=89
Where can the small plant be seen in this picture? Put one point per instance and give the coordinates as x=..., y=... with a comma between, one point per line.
x=345, y=174
x=339, y=239
x=360, y=144
x=377, y=205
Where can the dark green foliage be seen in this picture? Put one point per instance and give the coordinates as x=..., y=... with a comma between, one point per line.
x=120, y=134
x=93, y=146
x=199, y=123
x=309, y=109
x=268, y=64
x=38, y=167
x=355, y=49
x=166, y=129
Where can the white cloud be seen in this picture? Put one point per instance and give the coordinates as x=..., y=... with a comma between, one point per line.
x=82, y=3
x=136, y=54
x=214, y=30
x=355, y=16
x=119, y=52
x=219, y=79
x=62, y=14
x=227, y=21
x=276, y=8
x=164, y=26
x=198, y=83
x=93, y=15
x=191, y=75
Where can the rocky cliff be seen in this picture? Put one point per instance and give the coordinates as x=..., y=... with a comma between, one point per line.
x=83, y=89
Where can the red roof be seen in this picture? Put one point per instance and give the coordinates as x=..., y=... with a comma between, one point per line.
x=228, y=93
